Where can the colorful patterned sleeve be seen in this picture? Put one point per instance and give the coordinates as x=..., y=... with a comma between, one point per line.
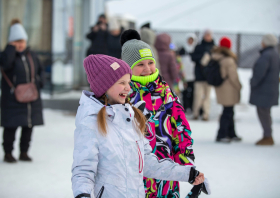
x=181, y=136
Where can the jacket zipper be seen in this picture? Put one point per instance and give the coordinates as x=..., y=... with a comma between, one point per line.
x=99, y=195
x=140, y=158
x=29, y=109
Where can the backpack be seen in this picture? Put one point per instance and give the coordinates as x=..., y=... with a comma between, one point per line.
x=213, y=73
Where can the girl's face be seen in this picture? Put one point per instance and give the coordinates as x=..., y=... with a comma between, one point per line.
x=144, y=68
x=118, y=92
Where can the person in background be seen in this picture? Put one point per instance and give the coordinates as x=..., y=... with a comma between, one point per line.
x=201, y=57
x=15, y=62
x=265, y=86
x=98, y=36
x=188, y=71
x=228, y=93
x=167, y=60
x=149, y=37
x=178, y=84
x=113, y=40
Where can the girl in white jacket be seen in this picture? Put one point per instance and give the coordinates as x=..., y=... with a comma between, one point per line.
x=111, y=154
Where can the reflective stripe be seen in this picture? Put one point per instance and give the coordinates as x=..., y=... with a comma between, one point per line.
x=140, y=159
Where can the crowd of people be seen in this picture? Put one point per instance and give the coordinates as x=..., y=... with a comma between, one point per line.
x=132, y=124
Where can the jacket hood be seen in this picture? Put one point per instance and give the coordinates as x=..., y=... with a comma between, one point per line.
x=92, y=105
x=222, y=51
x=190, y=48
x=148, y=36
x=162, y=42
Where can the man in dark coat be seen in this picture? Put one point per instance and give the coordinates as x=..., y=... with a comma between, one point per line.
x=98, y=36
x=201, y=57
x=114, y=37
x=16, y=65
x=265, y=86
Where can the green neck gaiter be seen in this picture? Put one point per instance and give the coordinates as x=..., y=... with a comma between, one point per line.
x=143, y=80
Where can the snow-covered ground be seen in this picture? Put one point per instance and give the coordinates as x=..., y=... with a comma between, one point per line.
x=240, y=170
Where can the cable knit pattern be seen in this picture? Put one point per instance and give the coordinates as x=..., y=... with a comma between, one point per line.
x=104, y=71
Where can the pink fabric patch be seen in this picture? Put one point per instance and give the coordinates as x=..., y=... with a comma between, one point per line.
x=115, y=66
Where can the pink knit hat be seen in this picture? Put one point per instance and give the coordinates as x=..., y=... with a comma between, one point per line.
x=104, y=71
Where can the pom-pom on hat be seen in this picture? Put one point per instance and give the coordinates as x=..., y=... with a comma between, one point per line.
x=133, y=49
x=225, y=42
x=103, y=72
x=17, y=31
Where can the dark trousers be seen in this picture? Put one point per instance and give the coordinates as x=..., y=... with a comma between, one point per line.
x=188, y=96
x=9, y=138
x=227, y=123
x=265, y=119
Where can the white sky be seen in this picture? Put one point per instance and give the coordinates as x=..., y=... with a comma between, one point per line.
x=245, y=16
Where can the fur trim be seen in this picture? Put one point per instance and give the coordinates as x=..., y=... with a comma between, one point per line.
x=15, y=21
x=225, y=51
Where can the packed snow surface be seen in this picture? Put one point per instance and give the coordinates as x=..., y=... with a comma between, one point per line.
x=236, y=170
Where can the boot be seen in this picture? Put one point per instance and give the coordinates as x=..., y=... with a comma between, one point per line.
x=195, y=117
x=236, y=139
x=223, y=140
x=265, y=141
x=205, y=119
x=9, y=158
x=24, y=157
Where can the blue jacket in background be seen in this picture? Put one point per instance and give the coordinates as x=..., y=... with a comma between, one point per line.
x=265, y=80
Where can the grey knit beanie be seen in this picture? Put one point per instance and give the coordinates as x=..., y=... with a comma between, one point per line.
x=134, y=50
x=269, y=40
x=17, y=32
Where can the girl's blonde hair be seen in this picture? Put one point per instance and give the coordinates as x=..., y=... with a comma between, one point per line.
x=102, y=122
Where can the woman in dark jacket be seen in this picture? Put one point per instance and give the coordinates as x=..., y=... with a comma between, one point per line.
x=113, y=40
x=15, y=64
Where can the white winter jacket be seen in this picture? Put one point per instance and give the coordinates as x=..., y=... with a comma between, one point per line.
x=116, y=163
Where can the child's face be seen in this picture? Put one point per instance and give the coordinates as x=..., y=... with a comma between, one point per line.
x=144, y=68
x=118, y=92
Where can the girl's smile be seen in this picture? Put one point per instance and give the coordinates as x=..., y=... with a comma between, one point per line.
x=119, y=91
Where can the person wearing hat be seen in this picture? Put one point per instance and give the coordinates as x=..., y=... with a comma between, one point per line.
x=17, y=62
x=113, y=40
x=111, y=154
x=228, y=93
x=169, y=132
x=265, y=86
x=201, y=57
x=98, y=35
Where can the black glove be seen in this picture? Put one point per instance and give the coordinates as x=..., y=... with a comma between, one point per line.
x=193, y=174
x=196, y=190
